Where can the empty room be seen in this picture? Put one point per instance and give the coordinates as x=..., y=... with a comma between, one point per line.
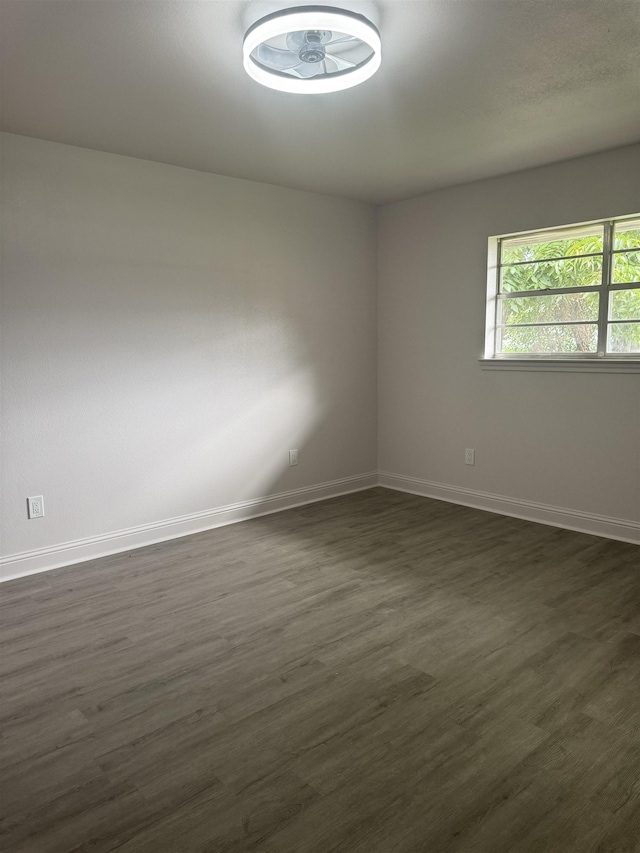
x=320, y=426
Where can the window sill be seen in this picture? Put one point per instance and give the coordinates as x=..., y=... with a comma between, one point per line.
x=565, y=365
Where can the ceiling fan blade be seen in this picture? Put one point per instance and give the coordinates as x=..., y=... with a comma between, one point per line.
x=276, y=58
x=341, y=40
x=308, y=69
x=339, y=61
x=295, y=40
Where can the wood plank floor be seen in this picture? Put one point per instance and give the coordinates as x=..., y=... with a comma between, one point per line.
x=379, y=673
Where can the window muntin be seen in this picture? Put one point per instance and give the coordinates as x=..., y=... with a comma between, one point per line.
x=566, y=292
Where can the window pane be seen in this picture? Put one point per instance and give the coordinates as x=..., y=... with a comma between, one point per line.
x=583, y=240
x=549, y=339
x=626, y=267
x=624, y=305
x=575, y=272
x=624, y=337
x=561, y=308
x=627, y=235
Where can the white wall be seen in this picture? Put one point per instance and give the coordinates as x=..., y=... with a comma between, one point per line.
x=168, y=335
x=562, y=439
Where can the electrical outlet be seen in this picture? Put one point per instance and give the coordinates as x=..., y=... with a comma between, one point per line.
x=293, y=458
x=35, y=507
x=469, y=456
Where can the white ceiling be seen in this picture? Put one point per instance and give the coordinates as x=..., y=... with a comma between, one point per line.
x=467, y=89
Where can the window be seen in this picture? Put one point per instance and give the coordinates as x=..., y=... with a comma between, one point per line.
x=566, y=293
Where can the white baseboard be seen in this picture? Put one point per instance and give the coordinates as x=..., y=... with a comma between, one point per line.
x=583, y=522
x=67, y=553
x=80, y=550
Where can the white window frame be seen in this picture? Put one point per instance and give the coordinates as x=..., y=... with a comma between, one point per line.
x=621, y=362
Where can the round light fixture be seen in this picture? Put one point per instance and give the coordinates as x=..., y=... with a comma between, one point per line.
x=312, y=49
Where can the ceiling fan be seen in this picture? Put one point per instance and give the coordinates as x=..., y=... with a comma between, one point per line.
x=312, y=49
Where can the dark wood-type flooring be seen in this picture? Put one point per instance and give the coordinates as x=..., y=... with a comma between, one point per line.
x=378, y=673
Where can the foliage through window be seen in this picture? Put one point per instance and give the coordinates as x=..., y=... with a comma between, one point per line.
x=566, y=293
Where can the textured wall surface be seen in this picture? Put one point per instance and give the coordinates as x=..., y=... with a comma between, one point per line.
x=564, y=439
x=168, y=335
